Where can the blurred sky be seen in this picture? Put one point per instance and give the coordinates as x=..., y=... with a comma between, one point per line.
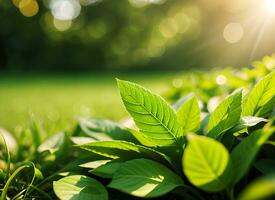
x=82, y=35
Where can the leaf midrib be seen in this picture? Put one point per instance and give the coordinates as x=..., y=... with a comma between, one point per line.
x=210, y=168
x=155, y=117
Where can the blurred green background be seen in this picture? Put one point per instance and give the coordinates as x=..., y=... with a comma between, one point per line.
x=59, y=58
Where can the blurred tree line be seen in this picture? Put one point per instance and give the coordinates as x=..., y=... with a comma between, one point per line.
x=72, y=35
x=106, y=35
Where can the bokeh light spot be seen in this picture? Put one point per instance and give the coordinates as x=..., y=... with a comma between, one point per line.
x=168, y=28
x=233, y=32
x=177, y=82
x=183, y=22
x=221, y=79
x=62, y=25
x=28, y=8
x=65, y=9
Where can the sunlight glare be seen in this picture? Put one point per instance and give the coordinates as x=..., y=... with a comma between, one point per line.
x=269, y=6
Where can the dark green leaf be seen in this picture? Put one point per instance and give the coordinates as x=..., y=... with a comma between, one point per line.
x=246, y=152
x=266, y=166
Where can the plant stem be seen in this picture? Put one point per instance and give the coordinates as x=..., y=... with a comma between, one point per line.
x=230, y=193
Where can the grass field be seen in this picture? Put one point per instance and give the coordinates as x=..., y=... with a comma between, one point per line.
x=57, y=100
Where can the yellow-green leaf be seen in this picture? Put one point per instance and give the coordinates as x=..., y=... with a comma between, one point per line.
x=204, y=163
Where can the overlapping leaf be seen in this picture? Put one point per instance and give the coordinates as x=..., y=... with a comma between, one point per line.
x=245, y=152
x=189, y=115
x=125, y=150
x=226, y=115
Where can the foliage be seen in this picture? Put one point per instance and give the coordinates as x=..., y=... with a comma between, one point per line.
x=180, y=151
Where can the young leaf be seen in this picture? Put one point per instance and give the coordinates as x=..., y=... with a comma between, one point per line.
x=125, y=150
x=261, y=94
x=189, y=115
x=226, y=115
x=151, y=113
x=145, y=178
x=79, y=187
x=260, y=189
x=246, y=152
x=204, y=163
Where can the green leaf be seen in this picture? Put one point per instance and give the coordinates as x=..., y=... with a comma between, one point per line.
x=145, y=178
x=151, y=113
x=266, y=166
x=124, y=150
x=204, y=163
x=261, y=94
x=78, y=187
x=226, y=115
x=246, y=152
x=189, y=115
x=260, y=189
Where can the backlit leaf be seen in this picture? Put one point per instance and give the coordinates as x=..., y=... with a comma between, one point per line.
x=261, y=94
x=204, y=163
x=151, y=113
x=189, y=115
